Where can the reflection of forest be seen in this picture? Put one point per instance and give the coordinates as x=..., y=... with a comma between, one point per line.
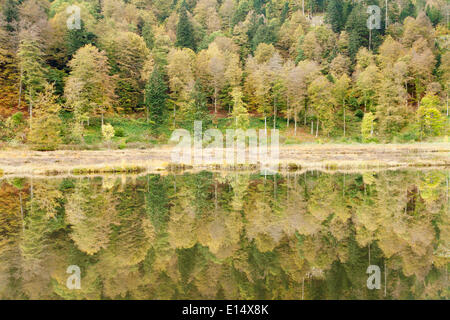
x=232, y=236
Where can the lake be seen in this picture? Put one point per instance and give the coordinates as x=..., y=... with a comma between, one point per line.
x=227, y=235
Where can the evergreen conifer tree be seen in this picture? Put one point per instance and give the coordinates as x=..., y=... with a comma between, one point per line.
x=156, y=96
x=185, y=30
x=334, y=15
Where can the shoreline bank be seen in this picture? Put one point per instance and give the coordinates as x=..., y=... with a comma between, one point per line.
x=298, y=157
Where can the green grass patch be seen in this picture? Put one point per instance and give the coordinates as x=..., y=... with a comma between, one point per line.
x=107, y=169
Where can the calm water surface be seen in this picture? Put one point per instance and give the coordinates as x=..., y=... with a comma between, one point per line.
x=308, y=235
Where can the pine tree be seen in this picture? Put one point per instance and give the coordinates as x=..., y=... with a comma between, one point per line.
x=147, y=34
x=75, y=39
x=334, y=15
x=31, y=64
x=434, y=14
x=156, y=97
x=264, y=33
x=356, y=27
x=408, y=11
x=185, y=31
x=197, y=107
x=11, y=13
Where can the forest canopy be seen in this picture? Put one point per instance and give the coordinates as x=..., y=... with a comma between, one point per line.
x=314, y=68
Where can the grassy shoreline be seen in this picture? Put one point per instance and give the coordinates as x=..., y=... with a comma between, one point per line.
x=291, y=158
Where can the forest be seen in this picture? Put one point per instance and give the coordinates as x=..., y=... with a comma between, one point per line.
x=126, y=73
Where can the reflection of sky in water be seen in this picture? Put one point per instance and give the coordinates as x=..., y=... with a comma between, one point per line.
x=308, y=235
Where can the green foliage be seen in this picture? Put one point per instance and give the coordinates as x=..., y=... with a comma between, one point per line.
x=125, y=59
x=240, y=113
x=31, y=63
x=431, y=121
x=359, y=113
x=208, y=39
x=334, y=15
x=356, y=26
x=434, y=14
x=17, y=118
x=119, y=132
x=368, y=126
x=11, y=14
x=265, y=33
x=197, y=108
x=77, y=38
x=147, y=34
x=107, y=132
x=220, y=226
x=157, y=202
x=89, y=88
x=408, y=11
x=185, y=30
x=156, y=97
x=46, y=124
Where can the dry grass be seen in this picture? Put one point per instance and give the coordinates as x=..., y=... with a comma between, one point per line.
x=292, y=158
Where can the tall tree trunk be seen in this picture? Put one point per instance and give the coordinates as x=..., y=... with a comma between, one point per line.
x=312, y=127
x=215, y=99
x=288, y=111
x=447, y=104
x=386, y=22
x=317, y=129
x=274, y=113
x=20, y=86
x=304, y=116
x=343, y=105
x=31, y=110
x=174, y=115
x=295, y=124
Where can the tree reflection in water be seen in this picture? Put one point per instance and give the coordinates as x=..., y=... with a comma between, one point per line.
x=308, y=235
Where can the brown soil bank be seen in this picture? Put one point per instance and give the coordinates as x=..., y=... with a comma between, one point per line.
x=290, y=157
